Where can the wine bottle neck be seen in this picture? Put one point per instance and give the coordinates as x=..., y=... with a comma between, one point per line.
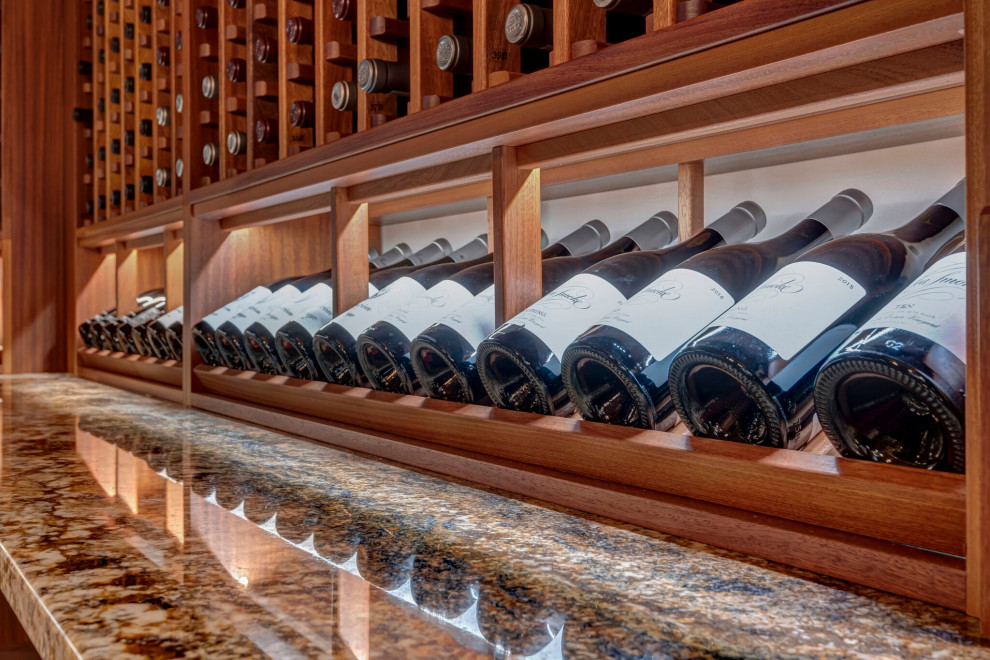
x=585, y=239
x=927, y=233
x=621, y=246
x=794, y=242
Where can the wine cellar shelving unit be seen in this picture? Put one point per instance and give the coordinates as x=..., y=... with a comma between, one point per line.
x=749, y=77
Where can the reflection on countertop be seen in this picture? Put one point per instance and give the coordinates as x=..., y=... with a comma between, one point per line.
x=133, y=528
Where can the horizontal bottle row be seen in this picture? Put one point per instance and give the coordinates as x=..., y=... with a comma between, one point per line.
x=725, y=334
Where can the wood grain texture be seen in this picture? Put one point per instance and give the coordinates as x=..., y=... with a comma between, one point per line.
x=233, y=94
x=515, y=235
x=293, y=58
x=174, y=252
x=491, y=51
x=162, y=372
x=425, y=77
x=36, y=209
x=375, y=105
x=263, y=24
x=690, y=198
x=164, y=136
x=912, y=507
x=664, y=13
x=978, y=309
x=575, y=21
x=349, y=228
x=197, y=133
x=336, y=56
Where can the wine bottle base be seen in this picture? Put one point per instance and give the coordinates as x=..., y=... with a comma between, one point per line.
x=443, y=377
x=604, y=394
x=873, y=410
x=513, y=384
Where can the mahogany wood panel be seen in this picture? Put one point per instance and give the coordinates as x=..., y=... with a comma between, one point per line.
x=335, y=55
x=664, y=13
x=162, y=372
x=515, y=235
x=908, y=571
x=492, y=53
x=374, y=108
x=127, y=280
x=233, y=94
x=690, y=198
x=200, y=115
x=129, y=106
x=978, y=310
x=425, y=77
x=572, y=22
x=262, y=84
x=99, y=117
x=913, y=507
x=95, y=289
x=164, y=136
x=144, y=111
x=349, y=232
x=140, y=223
x=294, y=83
x=174, y=255
x=36, y=209
x=114, y=91
x=845, y=39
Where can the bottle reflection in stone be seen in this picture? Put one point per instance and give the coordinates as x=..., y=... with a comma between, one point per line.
x=749, y=376
x=204, y=332
x=519, y=363
x=335, y=345
x=617, y=371
x=896, y=390
x=259, y=337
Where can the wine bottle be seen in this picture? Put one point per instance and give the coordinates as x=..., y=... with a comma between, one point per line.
x=158, y=333
x=294, y=341
x=124, y=330
x=259, y=336
x=895, y=392
x=344, y=96
x=106, y=331
x=204, y=332
x=454, y=54
x=299, y=30
x=335, y=345
x=383, y=77
x=616, y=371
x=392, y=256
x=749, y=376
x=519, y=363
x=530, y=25
x=383, y=348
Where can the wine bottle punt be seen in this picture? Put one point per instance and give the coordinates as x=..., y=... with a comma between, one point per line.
x=519, y=363
x=895, y=392
x=335, y=345
x=749, y=375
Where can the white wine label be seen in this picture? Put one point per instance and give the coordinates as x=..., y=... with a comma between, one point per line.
x=425, y=310
x=933, y=306
x=475, y=319
x=231, y=309
x=793, y=307
x=560, y=316
x=377, y=307
x=251, y=313
x=320, y=295
x=671, y=310
x=318, y=316
x=171, y=317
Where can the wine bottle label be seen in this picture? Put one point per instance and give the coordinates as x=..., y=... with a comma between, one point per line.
x=358, y=318
x=668, y=312
x=232, y=309
x=934, y=306
x=788, y=311
x=318, y=316
x=425, y=310
x=318, y=296
x=248, y=315
x=570, y=309
x=475, y=319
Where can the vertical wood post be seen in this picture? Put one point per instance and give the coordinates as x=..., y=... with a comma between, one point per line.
x=199, y=118
x=349, y=245
x=127, y=279
x=492, y=53
x=572, y=22
x=977, y=16
x=375, y=108
x=174, y=252
x=690, y=198
x=515, y=235
x=664, y=13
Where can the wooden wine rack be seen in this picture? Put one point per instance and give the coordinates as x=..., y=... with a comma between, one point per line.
x=756, y=75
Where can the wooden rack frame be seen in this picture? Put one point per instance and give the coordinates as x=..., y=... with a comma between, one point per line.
x=755, y=75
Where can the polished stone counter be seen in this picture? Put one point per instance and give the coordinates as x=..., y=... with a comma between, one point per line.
x=133, y=528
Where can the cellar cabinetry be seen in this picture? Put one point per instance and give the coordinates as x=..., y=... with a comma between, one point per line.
x=758, y=79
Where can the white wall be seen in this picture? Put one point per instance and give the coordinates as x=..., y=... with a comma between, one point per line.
x=901, y=181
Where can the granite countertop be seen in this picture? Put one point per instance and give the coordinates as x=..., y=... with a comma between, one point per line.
x=133, y=528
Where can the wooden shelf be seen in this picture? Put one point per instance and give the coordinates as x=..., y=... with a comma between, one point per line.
x=139, y=224
x=162, y=372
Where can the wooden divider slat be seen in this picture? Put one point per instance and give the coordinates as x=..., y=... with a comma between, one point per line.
x=574, y=22
x=978, y=307
x=200, y=125
x=515, y=235
x=374, y=109
x=425, y=77
x=335, y=57
x=493, y=55
x=349, y=231
x=145, y=105
x=296, y=80
x=233, y=94
x=129, y=96
x=262, y=85
x=174, y=255
x=114, y=110
x=664, y=13
x=179, y=33
x=162, y=136
x=690, y=198
x=99, y=118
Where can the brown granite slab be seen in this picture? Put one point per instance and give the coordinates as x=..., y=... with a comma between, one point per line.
x=131, y=528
